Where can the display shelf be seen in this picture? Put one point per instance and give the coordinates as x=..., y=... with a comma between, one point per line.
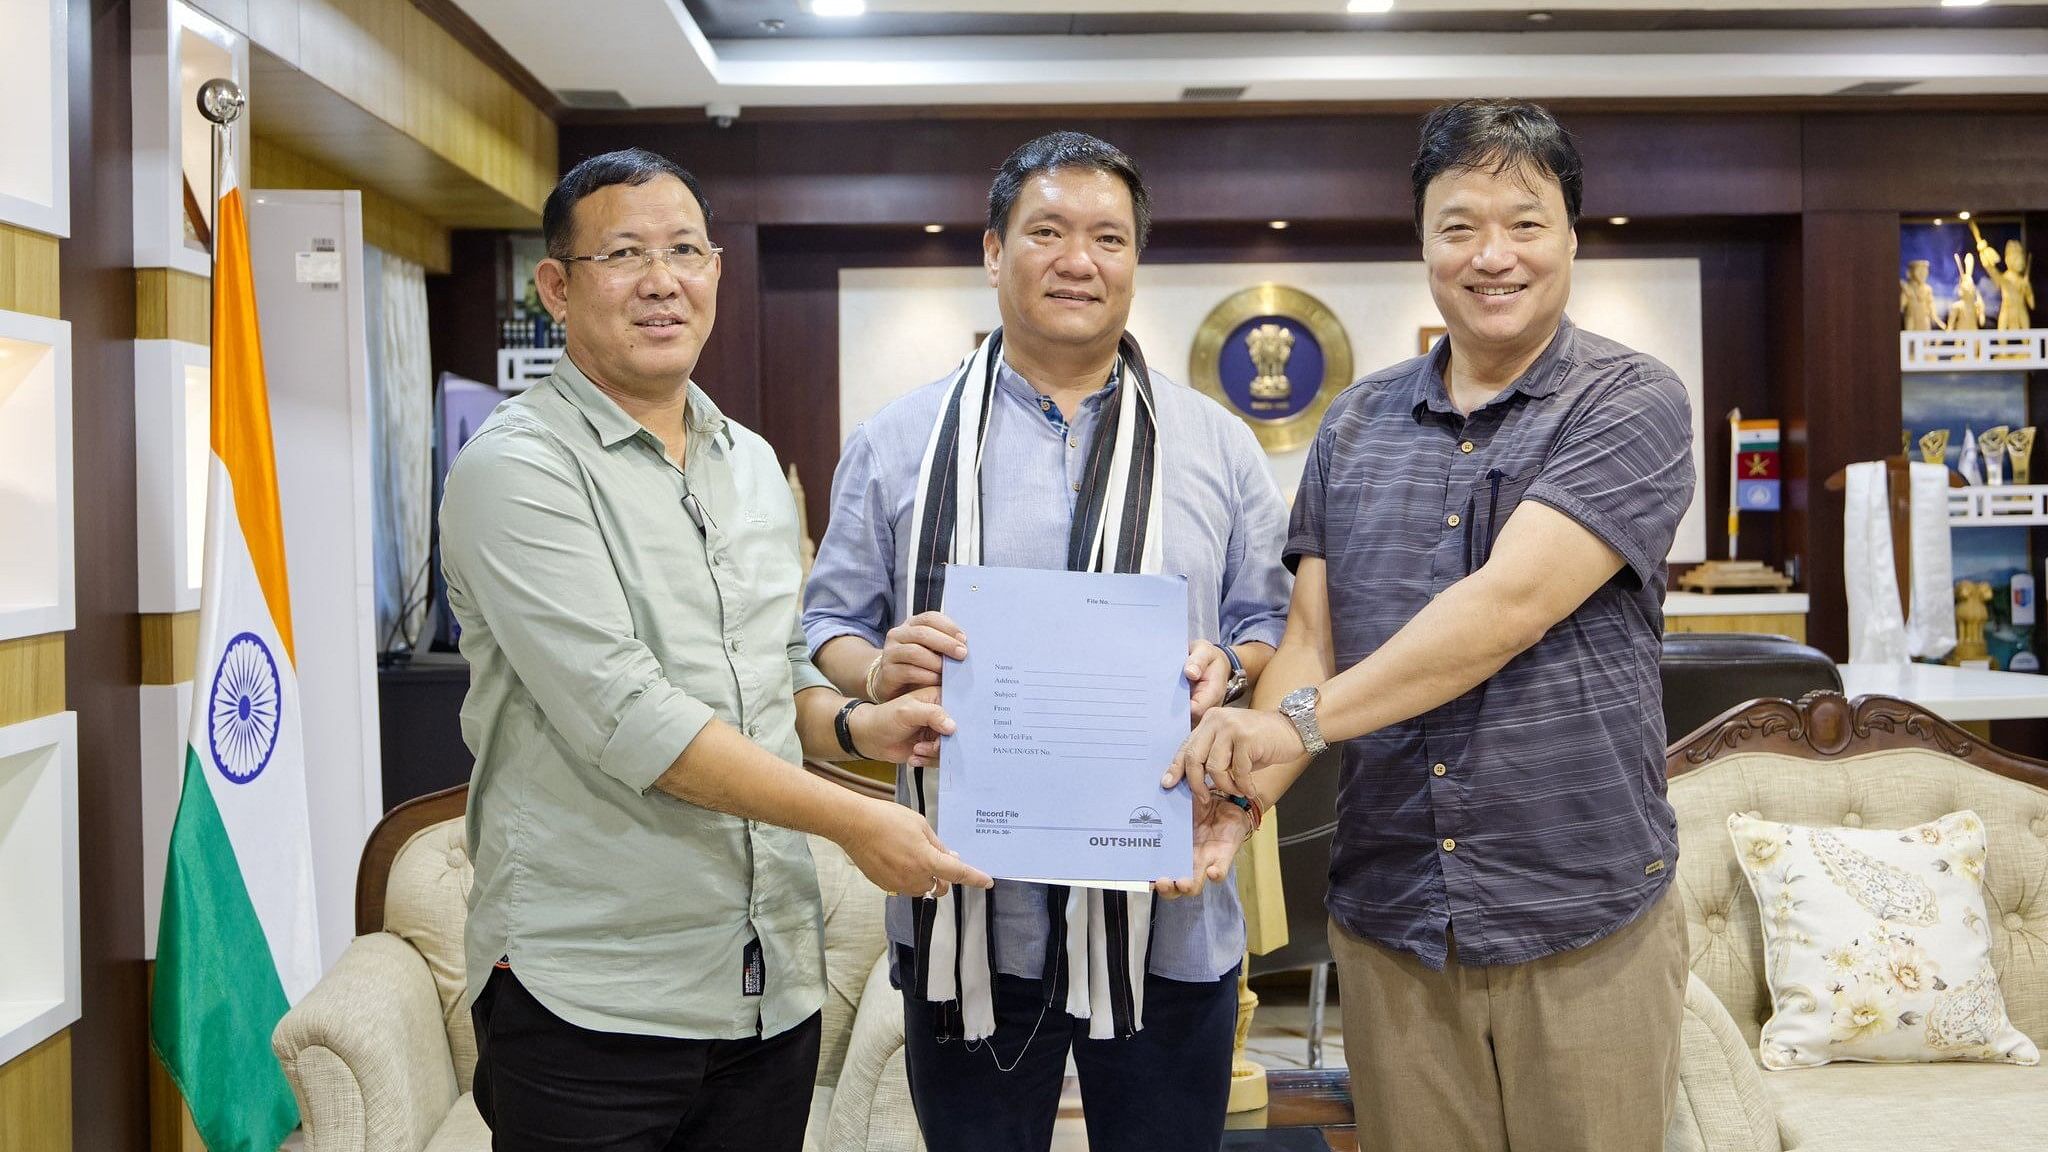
x=35, y=152
x=1984, y=350
x=35, y=476
x=171, y=452
x=1998, y=506
x=522, y=368
x=39, y=947
x=176, y=49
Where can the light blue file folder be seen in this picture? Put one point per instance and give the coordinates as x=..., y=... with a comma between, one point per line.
x=1072, y=701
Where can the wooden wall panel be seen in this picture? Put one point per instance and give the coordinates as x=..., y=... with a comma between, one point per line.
x=170, y=646
x=1853, y=399
x=35, y=1098
x=31, y=678
x=173, y=305
x=395, y=62
x=28, y=272
x=109, y=1088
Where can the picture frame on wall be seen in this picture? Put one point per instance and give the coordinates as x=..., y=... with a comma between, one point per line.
x=1426, y=338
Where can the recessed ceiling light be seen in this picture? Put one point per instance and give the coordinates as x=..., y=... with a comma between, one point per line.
x=1617, y=221
x=838, y=7
x=935, y=228
x=1962, y=3
x=1276, y=225
x=1369, y=7
x=772, y=24
x=1962, y=215
x=1937, y=221
x=1539, y=17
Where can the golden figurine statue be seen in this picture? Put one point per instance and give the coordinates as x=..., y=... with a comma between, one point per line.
x=2020, y=446
x=1916, y=299
x=1967, y=313
x=2016, y=294
x=1270, y=346
x=1991, y=448
x=1934, y=446
x=1972, y=611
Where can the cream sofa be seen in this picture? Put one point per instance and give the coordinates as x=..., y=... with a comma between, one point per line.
x=1876, y=763
x=381, y=1052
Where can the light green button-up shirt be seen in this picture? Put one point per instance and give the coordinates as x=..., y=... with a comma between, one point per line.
x=604, y=628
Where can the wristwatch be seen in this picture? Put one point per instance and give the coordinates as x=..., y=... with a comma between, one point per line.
x=1233, y=688
x=1299, y=706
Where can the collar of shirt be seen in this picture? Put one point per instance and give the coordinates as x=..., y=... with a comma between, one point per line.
x=612, y=424
x=1541, y=379
x=1013, y=382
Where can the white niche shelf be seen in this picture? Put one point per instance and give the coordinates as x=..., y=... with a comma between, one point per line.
x=35, y=476
x=172, y=447
x=1998, y=506
x=39, y=949
x=1984, y=350
x=35, y=143
x=174, y=50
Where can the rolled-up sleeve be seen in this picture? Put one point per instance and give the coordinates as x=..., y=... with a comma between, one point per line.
x=1623, y=468
x=852, y=592
x=521, y=550
x=1256, y=585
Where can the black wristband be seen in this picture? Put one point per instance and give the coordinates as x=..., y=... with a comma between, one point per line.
x=845, y=730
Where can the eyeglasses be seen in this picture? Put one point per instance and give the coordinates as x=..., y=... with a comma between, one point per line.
x=684, y=261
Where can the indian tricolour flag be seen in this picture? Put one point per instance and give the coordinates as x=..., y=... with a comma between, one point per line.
x=238, y=943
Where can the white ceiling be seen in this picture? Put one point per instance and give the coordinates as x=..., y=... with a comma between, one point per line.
x=653, y=53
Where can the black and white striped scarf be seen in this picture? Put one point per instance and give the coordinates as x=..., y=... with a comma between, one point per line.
x=1101, y=935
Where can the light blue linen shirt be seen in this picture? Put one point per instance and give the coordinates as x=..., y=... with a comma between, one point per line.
x=1225, y=524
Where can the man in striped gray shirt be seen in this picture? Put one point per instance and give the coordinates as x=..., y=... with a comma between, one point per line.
x=1479, y=546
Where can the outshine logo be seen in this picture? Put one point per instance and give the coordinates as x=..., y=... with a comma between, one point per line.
x=1144, y=817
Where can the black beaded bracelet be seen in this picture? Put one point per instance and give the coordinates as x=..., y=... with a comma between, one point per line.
x=844, y=729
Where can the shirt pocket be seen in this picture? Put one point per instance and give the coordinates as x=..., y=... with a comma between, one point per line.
x=1488, y=504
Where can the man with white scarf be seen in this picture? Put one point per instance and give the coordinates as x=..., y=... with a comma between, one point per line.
x=1054, y=447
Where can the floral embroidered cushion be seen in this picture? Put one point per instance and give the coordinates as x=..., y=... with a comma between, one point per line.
x=1875, y=944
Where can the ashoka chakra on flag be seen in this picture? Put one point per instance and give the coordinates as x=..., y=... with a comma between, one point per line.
x=242, y=722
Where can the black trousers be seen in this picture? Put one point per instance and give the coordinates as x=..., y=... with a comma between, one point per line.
x=546, y=1085
x=1165, y=1088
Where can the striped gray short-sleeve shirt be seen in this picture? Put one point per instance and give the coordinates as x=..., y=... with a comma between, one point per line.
x=1527, y=816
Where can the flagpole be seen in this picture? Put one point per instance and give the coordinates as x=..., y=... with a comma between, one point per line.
x=1734, y=478
x=221, y=102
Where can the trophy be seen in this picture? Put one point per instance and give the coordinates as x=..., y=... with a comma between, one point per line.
x=1991, y=443
x=1934, y=446
x=1270, y=345
x=2020, y=446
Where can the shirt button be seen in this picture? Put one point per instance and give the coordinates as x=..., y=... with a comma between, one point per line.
x=1439, y=769
x=1452, y=520
x=1466, y=447
x=1450, y=845
x=1073, y=443
x=1077, y=487
x=733, y=645
x=753, y=731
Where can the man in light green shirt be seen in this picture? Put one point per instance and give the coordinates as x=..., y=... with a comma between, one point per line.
x=644, y=959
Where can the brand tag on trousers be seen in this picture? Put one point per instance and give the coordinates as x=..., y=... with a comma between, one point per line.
x=753, y=972
x=1653, y=867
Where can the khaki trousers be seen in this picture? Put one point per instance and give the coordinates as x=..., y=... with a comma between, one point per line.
x=1575, y=1052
